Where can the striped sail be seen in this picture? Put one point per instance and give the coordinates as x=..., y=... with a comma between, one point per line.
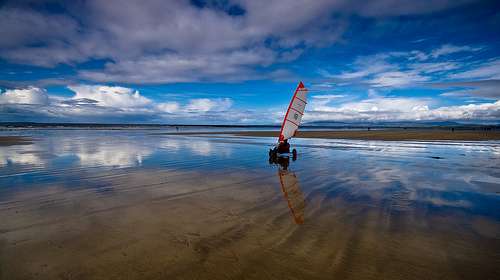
x=294, y=113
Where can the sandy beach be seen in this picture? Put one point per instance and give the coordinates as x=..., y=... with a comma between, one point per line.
x=385, y=135
x=133, y=205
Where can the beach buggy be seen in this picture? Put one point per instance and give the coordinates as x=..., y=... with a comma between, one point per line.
x=291, y=123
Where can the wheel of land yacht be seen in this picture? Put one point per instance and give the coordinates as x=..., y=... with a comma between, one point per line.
x=272, y=153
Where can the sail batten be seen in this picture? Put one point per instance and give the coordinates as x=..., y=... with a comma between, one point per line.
x=294, y=113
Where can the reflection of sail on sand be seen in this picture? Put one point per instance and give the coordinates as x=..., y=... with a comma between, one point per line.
x=293, y=194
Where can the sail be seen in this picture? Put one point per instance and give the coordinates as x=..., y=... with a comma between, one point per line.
x=294, y=113
x=293, y=194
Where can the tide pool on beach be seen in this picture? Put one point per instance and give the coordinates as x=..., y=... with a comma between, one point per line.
x=135, y=204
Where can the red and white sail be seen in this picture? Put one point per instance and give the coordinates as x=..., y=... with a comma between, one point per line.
x=294, y=113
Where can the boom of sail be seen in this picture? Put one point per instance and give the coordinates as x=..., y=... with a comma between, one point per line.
x=293, y=115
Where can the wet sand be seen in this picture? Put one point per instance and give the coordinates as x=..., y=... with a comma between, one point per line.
x=14, y=140
x=188, y=225
x=125, y=206
x=385, y=135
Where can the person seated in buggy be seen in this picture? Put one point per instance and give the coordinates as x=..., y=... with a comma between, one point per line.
x=283, y=147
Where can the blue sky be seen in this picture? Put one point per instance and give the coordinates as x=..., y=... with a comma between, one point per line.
x=211, y=62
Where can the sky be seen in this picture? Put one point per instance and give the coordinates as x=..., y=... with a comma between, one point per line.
x=239, y=62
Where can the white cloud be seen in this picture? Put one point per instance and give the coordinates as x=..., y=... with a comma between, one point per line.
x=192, y=43
x=366, y=66
x=394, y=8
x=419, y=69
x=484, y=111
x=114, y=103
x=397, y=109
x=169, y=68
x=169, y=107
x=487, y=70
x=434, y=67
x=320, y=101
x=328, y=97
x=397, y=79
x=205, y=105
x=449, y=49
x=31, y=95
x=410, y=68
x=118, y=97
x=99, y=103
x=385, y=105
x=418, y=55
x=483, y=89
x=372, y=93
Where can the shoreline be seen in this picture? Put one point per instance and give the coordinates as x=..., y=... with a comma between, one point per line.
x=383, y=135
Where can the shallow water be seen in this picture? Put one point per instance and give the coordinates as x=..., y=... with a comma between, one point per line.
x=137, y=205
